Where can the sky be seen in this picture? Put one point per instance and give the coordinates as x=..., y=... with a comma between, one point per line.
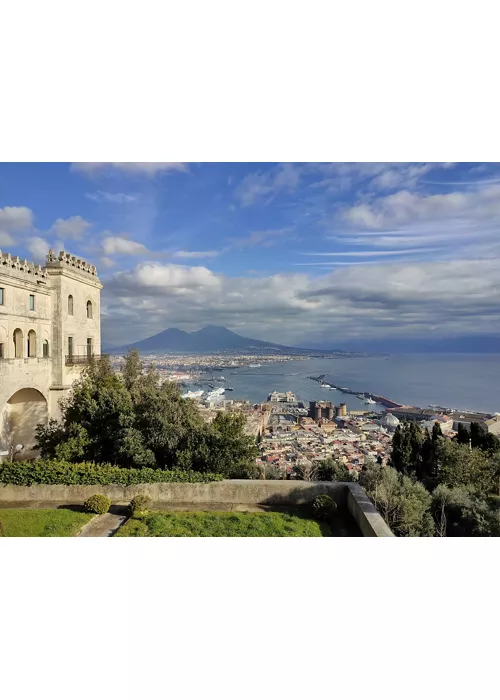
x=361, y=255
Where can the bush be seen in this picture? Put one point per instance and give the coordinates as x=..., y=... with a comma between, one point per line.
x=98, y=503
x=43, y=471
x=139, y=505
x=324, y=507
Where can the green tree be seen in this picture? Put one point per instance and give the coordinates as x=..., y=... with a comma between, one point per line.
x=463, y=435
x=135, y=421
x=332, y=470
x=403, y=503
x=458, y=465
x=132, y=368
x=460, y=512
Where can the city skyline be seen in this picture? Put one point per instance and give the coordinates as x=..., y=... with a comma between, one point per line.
x=289, y=253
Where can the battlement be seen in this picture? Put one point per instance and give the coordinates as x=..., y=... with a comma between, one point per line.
x=66, y=260
x=30, y=269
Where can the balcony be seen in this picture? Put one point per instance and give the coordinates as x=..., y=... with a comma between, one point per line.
x=81, y=359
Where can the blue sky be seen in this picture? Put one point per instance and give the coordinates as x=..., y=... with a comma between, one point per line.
x=290, y=252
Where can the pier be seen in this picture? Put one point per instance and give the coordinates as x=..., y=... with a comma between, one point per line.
x=382, y=400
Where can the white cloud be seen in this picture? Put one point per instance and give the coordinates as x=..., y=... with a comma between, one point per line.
x=371, y=253
x=149, y=169
x=258, y=187
x=196, y=253
x=38, y=247
x=117, y=245
x=112, y=197
x=16, y=219
x=403, y=208
x=383, y=299
x=107, y=262
x=6, y=238
x=72, y=228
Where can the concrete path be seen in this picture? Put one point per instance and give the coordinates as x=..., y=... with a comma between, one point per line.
x=103, y=525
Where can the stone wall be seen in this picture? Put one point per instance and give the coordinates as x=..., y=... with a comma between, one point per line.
x=240, y=492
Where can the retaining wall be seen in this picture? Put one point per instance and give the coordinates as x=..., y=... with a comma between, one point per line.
x=234, y=491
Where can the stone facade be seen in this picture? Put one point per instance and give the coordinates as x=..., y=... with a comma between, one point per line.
x=49, y=326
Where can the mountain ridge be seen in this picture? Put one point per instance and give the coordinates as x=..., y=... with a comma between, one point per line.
x=206, y=339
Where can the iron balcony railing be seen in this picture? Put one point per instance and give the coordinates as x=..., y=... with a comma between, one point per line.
x=81, y=359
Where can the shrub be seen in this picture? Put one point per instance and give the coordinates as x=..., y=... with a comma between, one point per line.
x=139, y=505
x=45, y=471
x=324, y=507
x=98, y=503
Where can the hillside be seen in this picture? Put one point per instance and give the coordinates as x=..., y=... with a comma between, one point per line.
x=208, y=339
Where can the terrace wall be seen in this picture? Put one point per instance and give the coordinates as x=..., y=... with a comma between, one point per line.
x=234, y=491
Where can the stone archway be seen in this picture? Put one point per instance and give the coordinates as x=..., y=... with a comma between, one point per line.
x=24, y=410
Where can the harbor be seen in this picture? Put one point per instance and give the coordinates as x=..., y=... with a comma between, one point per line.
x=365, y=396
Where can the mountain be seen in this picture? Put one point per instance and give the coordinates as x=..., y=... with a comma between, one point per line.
x=208, y=339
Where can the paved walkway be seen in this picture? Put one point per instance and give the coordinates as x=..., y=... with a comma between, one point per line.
x=103, y=525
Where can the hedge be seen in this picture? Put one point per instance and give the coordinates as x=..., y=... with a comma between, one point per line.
x=45, y=471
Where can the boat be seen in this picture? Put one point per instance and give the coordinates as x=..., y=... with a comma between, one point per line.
x=370, y=401
x=325, y=386
x=193, y=394
x=216, y=393
x=255, y=366
x=229, y=388
x=360, y=396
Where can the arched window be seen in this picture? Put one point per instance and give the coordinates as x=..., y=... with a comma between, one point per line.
x=32, y=344
x=70, y=305
x=18, y=343
x=45, y=348
x=89, y=309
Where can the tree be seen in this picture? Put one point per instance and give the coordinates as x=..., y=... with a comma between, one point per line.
x=135, y=421
x=132, y=368
x=401, y=449
x=332, y=470
x=458, y=465
x=403, y=503
x=460, y=512
x=463, y=435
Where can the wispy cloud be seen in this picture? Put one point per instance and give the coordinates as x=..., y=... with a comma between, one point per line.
x=372, y=253
x=196, y=253
x=112, y=197
x=119, y=245
x=149, y=169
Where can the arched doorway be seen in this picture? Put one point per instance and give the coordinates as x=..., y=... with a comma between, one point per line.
x=18, y=343
x=25, y=409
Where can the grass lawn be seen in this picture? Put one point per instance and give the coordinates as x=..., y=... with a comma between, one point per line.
x=222, y=524
x=60, y=522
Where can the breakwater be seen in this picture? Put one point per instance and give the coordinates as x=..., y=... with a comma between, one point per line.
x=382, y=400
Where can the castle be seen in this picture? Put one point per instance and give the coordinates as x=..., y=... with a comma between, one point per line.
x=49, y=328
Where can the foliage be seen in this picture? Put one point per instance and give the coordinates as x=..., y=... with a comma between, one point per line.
x=270, y=472
x=460, y=512
x=324, y=507
x=137, y=422
x=29, y=522
x=459, y=465
x=332, y=470
x=43, y=471
x=140, y=504
x=403, y=503
x=98, y=503
x=220, y=524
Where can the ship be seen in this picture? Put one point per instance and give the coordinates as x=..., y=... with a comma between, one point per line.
x=216, y=393
x=229, y=388
x=255, y=366
x=370, y=401
x=193, y=394
x=325, y=386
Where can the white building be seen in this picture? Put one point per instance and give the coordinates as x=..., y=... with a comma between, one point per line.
x=49, y=327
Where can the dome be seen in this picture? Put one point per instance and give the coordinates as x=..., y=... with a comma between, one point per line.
x=389, y=420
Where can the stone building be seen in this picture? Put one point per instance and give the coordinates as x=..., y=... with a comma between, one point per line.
x=49, y=328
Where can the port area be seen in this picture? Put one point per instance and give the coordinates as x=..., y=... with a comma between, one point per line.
x=382, y=400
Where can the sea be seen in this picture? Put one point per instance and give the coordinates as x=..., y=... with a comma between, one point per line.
x=461, y=381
